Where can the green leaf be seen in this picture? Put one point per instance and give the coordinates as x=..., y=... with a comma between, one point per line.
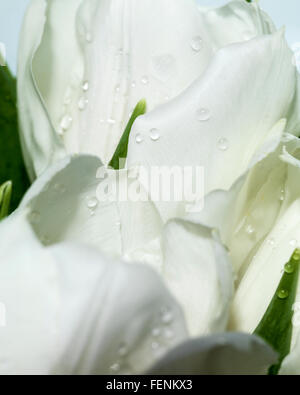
x=276, y=326
x=5, y=198
x=122, y=148
x=11, y=160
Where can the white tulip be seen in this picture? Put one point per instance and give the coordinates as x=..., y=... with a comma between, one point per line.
x=222, y=89
x=83, y=66
x=70, y=310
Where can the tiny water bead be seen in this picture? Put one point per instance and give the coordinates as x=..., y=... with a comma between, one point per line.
x=203, y=114
x=197, y=44
x=283, y=294
x=66, y=122
x=156, y=332
x=289, y=268
x=123, y=350
x=115, y=368
x=88, y=37
x=223, y=144
x=271, y=242
x=85, y=86
x=293, y=242
x=166, y=316
x=282, y=195
x=296, y=255
x=139, y=138
x=59, y=188
x=35, y=217
x=92, y=203
x=145, y=80
x=82, y=103
x=154, y=134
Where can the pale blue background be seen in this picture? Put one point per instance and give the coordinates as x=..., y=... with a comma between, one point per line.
x=283, y=12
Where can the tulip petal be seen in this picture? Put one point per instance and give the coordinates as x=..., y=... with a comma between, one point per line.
x=198, y=272
x=69, y=310
x=224, y=110
x=224, y=354
x=40, y=142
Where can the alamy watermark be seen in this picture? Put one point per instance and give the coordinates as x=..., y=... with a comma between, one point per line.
x=2, y=315
x=157, y=184
x=2, y=54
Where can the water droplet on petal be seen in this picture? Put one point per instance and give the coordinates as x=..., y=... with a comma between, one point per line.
x=197, y=44
x=156, y=332
x=271, y=242
x=145, y=80
x=88, y=37
x=82, y=103
x=203, y=114
x=92, y=203
x=60, y=188
x=123, y=350
x=85, y=86
x=282, y=195
x=250, y=230
x=223, y=144
x=293, y=242
x=66, y=122
x=116, y=367
x=139, y=138
x=155, y=345
x=283, y=294
x=296, y=255
x=168, y=333
x=166, y=317
x=154, y=134
x=35, y=217
x=289, y=268
x=111, y=121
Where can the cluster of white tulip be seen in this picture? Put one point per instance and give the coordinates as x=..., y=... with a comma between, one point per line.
x=99, y=287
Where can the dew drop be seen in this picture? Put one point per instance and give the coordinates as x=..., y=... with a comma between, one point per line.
x=197, y=44
x=289, y=268
x=145, y=80
x=85, y=86
x=66, y=122
x=296, y=255
x=283, y=294
x=88, y=37
x=156, y=332
x=92, y=203
x=250, y=230
x=154, y=134
x=155, y=346
x=35, y=217
x=223, y=144
x=271, y=242
x=139, y=138
x=82, y=103
x=123, y=350
x=116, y=367
x=169, y=334
x=293, y=242
x=166, y=317
x=60, y=188
x=203, y=114
x=282, y=195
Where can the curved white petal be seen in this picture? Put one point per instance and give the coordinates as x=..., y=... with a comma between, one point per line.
x=224, y=110
x=40, y=142
x=69, y=310
x=198, y=272
x=260, y=281
x=224, y=354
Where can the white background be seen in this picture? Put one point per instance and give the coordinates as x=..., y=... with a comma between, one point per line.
x=283, y=12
